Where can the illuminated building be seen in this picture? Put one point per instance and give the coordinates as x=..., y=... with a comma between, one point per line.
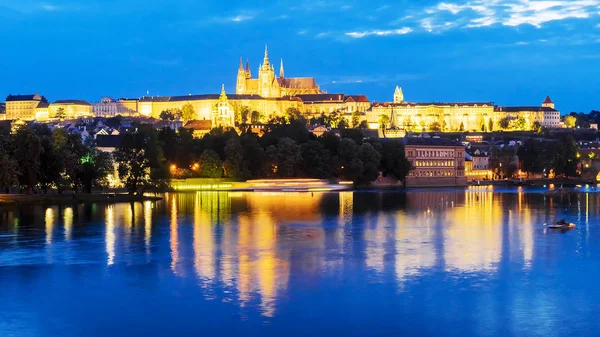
x=23, y=106
x=477, y=166
x=268, y=86
x=435, y=162
x=108, y=107
x=467, y=116
x=2, y=111
x=71, y=108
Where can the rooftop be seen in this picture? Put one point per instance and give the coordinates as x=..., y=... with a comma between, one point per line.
x=72, y=101
x=33, y=97
x=419, y=141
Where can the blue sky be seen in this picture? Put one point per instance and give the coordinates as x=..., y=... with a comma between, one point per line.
x=511, y=52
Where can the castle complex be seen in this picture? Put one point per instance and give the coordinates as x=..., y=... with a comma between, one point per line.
x=272, y=96
x=268, y=86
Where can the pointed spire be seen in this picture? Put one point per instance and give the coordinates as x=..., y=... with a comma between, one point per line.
x=248, y=74
x=266, y=60
x=281, y=69
x=223, y=96
x=398, y=95
x=241, y=64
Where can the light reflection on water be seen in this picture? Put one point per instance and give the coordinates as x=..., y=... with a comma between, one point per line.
x=477, y=262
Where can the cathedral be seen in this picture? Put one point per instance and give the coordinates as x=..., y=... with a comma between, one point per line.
x=269, y=86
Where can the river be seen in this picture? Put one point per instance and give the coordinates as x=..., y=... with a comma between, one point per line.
x=474, y=262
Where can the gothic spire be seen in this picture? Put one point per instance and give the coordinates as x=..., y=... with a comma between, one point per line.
x=281, y=69
x=248, y=74
x=223, y=96
x=266, y=60
x=241, y=64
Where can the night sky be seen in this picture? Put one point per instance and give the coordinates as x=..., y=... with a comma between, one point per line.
x=512, y=52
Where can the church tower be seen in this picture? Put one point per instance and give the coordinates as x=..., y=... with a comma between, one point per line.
x=248, y=73
x=266, y=77
x=240, y=87
x=398, y=95
x=281, y=70
x=548, y=103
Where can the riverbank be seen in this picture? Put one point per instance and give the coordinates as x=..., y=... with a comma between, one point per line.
x=17, y=199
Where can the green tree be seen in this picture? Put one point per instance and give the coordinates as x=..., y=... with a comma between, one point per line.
x=244, y=114
x=355, y=119
x=570, y=121
x=393, y=160
x=210, y=164
x=9, y=172
x=293, y=114
x=384, y=120
x=491, y=125
x=504, y=123
x=187, y=112
x=462, y=127
x=60, y=113
x=520, y=124
x=255, y=117
x=435, y=127
x=134, y=165
x=315, y=160
x=234, y=160
x=370, y=160
x=566, y=160
x=167, y=115
x=95, y=166
x=283, y=159
x=28, y=149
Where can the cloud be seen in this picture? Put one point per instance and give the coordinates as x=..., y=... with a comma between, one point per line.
x=240, y=18
x=33, y=7
x=359, y=35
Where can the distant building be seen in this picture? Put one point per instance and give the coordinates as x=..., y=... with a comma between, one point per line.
x=478, y=166
x=269, y=86
x=455, y=116
x=436, y=162
x=2, y=112
x=23, y=106
x=69, y=108
x=546, y=115
x=199, y=127
x=108, y=107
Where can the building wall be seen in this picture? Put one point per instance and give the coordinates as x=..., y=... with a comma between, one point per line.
x=436, y=166
x=421, y=117
x=71, y=110
x=21, y=109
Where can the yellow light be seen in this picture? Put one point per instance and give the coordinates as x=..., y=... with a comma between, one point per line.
x=173, y=167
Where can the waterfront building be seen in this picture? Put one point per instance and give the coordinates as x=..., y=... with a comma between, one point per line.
x=477, y=166
x=108, y=107
x=269, y=86
x=436, y=162
x=23, y=106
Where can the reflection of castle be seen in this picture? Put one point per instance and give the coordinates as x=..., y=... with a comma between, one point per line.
x=268, y=86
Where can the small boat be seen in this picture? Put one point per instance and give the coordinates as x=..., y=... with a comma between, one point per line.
x=560, y=225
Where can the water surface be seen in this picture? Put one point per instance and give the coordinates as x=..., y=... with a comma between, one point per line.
x=474, y=262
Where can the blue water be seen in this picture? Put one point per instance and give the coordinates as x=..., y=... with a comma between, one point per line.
x=474, y=262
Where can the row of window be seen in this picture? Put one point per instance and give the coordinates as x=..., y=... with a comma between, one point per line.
x=435, y=154
x=432, y=173
x=436, y=163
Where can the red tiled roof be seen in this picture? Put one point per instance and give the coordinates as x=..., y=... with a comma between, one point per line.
x=199, y=125
x=548, y=100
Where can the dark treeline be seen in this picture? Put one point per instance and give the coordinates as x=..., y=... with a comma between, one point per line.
x=36, y=158
x=285, y=150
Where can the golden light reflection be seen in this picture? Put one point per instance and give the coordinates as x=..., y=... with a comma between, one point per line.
x=415, y=249
x=49, y=221
x=68, y=223
x=147, y=225
x=375, y=236
x=473, y=235
x=346, y=207
x=174, y=238
x=204, y=250
x=110, y=235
